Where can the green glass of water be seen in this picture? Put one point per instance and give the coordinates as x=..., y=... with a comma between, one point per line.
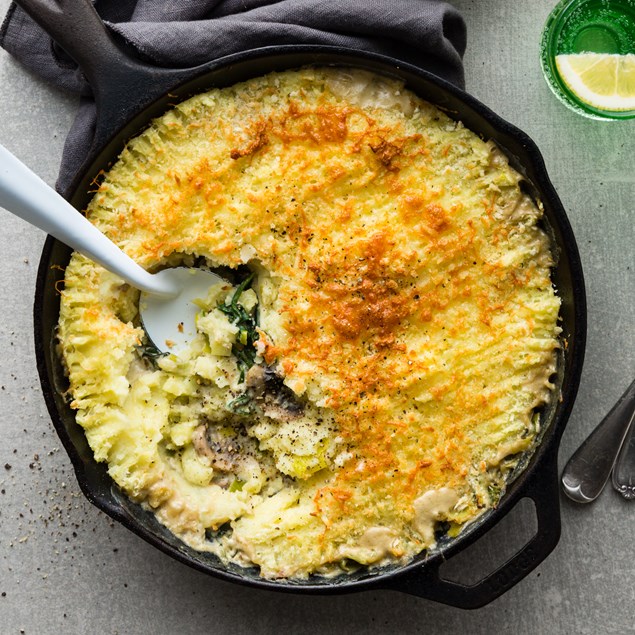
x=588, y=56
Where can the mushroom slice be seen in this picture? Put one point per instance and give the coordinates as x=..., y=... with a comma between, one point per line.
x=223, y=449
x=267, y=389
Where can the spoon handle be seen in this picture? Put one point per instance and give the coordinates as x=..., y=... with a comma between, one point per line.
x=588, y=470
x=25, y=194
x=624, y=470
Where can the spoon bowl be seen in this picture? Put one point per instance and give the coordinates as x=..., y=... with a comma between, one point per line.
x=167, y=307
x=170, y=322
x=588, y=470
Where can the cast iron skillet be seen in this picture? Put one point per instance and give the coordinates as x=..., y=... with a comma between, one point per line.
x=129, y=94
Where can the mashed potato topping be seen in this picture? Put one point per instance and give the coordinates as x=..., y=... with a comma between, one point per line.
x=368, y=375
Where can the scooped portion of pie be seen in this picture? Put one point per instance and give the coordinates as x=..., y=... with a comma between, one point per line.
x=371, y=370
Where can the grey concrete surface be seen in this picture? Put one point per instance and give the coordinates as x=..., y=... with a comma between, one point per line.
x=65, y=567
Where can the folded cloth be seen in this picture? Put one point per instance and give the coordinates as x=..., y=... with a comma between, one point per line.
x=184, y=33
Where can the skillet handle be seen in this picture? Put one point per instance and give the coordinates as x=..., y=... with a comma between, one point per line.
x=425, y=581
x=121, y=84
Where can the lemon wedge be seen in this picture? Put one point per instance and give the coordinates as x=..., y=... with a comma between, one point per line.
x=603, y=80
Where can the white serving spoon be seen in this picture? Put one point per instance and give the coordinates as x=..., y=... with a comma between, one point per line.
x=166, y=305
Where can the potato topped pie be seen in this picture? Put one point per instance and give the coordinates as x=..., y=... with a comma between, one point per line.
x=368, y=373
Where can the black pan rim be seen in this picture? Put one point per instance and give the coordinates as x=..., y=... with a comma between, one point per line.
x=547, y=450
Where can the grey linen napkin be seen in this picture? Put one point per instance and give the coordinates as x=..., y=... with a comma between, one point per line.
x=180, y=33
